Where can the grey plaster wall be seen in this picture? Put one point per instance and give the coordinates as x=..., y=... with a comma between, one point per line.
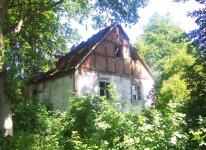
x=54, y=92
x=87, y=82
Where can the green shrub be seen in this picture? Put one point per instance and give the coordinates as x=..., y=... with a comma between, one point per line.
x=30, y=116
x=199, y=134
x=173, y=90
x=94, y=123
x=35, y=127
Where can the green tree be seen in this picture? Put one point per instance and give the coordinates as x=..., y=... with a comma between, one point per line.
x=196, y=74
x=196, y=79
x=165, y=48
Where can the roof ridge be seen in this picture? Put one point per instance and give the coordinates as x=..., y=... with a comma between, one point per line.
x=82, y=43
x=74, y=58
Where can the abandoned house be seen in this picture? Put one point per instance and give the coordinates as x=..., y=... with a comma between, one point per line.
x=105, y=58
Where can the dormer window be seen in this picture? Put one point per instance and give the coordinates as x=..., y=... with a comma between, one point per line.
x=118, y=51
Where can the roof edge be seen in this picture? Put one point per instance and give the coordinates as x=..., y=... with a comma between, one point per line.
x=144, y=63
x=93, y=48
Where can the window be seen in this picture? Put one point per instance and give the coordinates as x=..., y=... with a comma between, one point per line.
x=118, y=51
x=136, y=92
x=103, y=88
x=34, y=93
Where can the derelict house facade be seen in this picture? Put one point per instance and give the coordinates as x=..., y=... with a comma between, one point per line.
x=105, y=58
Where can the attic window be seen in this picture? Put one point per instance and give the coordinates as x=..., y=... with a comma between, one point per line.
x=118, y=51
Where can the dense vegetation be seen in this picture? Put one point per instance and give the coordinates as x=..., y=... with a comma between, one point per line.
x=174, y=62
x=169, y=53
x=95, y=123
x=92, y=123
x=177, y=61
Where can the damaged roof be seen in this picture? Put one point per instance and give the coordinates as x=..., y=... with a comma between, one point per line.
x=75, y=56
x=71, y=60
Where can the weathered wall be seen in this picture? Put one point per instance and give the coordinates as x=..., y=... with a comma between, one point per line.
x=54, y=92
x=87, y=82
x=148, y=83
x=122, y=71
x=5, y=104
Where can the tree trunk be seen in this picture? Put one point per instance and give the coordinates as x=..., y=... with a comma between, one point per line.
x=1, y=48
x=5, y=104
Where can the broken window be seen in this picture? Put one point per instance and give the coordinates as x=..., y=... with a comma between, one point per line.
x=104, y=88
x=118, y=51
x=136, y=92
x=34, y=93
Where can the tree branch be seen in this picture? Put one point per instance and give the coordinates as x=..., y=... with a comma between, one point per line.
x=17, y=28
x=4, y=5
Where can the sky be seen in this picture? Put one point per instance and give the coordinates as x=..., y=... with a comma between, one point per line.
x=177, y=11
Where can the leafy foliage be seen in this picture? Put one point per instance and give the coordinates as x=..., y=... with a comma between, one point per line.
x=35, y=127
x=92, y=123
x=117, y=11
x=165, y=47
x=180, y=70
x=174, y=89
x=198, y=36
x=30, y=116
x=32, y=49
x=196, y=78
x=161, y=42
x=196, y=74
x=199, y=133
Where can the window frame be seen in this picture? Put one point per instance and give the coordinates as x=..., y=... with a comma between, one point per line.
x=104, y=88
x=118, y=51
x=137, y=92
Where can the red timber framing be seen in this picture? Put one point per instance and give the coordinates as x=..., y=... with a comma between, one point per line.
x=105, y=57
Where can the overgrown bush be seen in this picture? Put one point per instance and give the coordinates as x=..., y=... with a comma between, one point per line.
x=30, y=116
x=199, y=134
x=35, y=127
x=94, y=123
